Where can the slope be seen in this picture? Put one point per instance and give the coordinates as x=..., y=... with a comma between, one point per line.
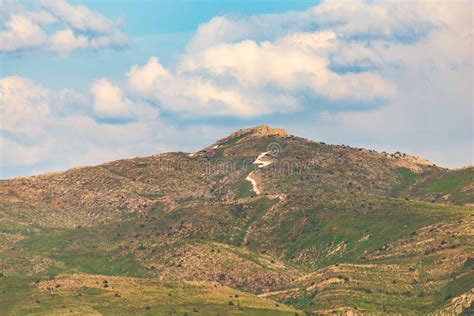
x=324, y=231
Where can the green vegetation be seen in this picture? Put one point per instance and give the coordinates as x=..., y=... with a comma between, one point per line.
x=454, y=186
x=243, y=189
x=333, y=229
x=407, y=177
x=260, y=207
x=450, y=182
x=233, y=140
x=87, y=294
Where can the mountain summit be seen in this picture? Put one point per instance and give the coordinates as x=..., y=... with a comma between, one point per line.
x=263, y=130
x=258, y=223
x=251, y=132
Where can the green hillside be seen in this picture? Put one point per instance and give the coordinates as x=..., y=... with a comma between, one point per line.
x=323, y=229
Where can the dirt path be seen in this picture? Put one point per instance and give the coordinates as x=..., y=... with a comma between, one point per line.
x=260, y=164
x=254, y=183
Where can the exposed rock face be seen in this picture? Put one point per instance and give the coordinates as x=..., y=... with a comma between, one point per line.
x=458, y=304
x=251, y=132
x=409, y=158
x=265, y=130
x=259, y=131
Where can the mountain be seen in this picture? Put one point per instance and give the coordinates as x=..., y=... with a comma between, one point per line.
x=260, y=222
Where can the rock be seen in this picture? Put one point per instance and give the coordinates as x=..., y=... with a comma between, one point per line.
x=258, y=131
x=265, y=130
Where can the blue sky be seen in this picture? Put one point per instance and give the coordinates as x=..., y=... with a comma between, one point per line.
x=83, y=82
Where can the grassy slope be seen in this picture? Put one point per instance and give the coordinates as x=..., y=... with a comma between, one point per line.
x=445, y=186
x=103, y=294
x=149, y=217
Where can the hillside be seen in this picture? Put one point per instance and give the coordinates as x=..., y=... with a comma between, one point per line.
x=259, y=222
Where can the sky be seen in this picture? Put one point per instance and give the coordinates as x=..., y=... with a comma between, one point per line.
x=84, y=82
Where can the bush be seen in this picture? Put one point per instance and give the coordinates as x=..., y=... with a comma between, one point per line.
x=469, y=263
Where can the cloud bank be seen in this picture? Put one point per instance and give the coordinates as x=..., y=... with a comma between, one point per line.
x=355, y=56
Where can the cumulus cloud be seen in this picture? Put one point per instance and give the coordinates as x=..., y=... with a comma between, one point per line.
x=391, y=20
x=196, y=95
x=109, y=102
x=22, y=103
x=79, y=17
x=251, y=78
x=21, y=33
x=144, y=79
x=347, y=56
x=58, y=26
x=294, y=63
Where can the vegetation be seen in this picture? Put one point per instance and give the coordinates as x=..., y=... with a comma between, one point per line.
x=334, y=229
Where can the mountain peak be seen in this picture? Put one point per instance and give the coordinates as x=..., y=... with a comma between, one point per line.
x=257, y=131
x=265, y=130
x=260, y=131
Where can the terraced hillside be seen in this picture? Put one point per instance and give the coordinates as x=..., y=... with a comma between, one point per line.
x=258, y=223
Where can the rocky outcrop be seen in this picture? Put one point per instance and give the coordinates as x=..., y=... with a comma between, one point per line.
x=265, y=130
x=259, y=131
x=246, y=133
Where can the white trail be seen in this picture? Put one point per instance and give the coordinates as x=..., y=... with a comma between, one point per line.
x=260, y=164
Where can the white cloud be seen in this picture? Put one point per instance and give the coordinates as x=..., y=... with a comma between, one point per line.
x=381, y=19
x=22, y=103
x=58, y=26
x=65, y=40
x=378, y=19
x=278, y=63
x=41, y=17
x=21, y=33
x=109, y=102
x=190, y=94
x=15, y=153
x=79, y=17
x=256, y=27
x=294, y=63
x=143, y=79
x=248, y=78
